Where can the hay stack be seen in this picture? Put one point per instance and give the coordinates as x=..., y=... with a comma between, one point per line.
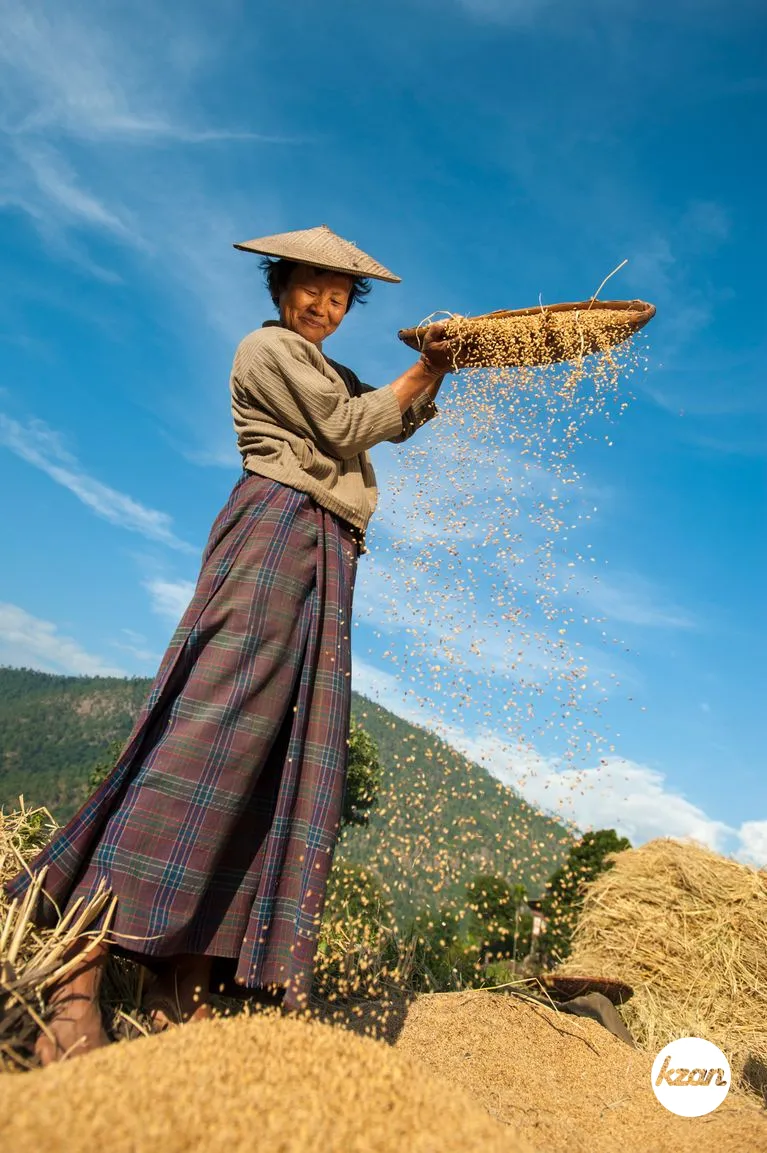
x=687, y=929
x=265, y=1082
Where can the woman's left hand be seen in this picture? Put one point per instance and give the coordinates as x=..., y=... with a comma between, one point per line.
x=437, y=352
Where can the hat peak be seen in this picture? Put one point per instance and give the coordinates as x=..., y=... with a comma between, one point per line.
x=321, y=248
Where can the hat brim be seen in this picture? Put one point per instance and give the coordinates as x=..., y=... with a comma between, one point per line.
x=299, y=258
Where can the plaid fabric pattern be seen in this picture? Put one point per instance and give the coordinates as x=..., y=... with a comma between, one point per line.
x=217, y=825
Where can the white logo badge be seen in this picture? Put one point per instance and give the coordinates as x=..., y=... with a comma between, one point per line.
x=691, y=1077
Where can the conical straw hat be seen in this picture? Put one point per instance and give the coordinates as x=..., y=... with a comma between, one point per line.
x=321, y=248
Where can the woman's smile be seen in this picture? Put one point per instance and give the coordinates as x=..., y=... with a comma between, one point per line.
x=324, y=294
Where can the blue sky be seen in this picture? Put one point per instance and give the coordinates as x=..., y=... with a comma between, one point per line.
x=489, y=152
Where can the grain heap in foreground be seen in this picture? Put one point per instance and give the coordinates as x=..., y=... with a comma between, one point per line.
x=263, y=1082
x=474, y=1070
x=687, y=929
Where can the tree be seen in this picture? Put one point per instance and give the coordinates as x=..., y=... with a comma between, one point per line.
x=356, y=935
x=356, y=897
x=363, y=778
x=441, y=958
x=495, y=918
x=103, y=768
x=490, y=901
x=564, y=897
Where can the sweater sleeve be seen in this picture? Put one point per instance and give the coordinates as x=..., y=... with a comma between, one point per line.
x=422, y=409
x=283, y=374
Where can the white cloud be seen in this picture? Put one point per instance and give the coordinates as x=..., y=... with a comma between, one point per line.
x=634, y=799
x=387, y=689
x=630, y=599
x=753, y=842
x=137, y=645
x=65, y=71
x=621, y=794
x=618, y=793
x=169, y=598
x=29, y=642
x=46, y=183
x=104, y=82
x=42, y=447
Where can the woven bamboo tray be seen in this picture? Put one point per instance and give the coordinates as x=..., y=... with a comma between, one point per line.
x=544, y=334
x=564, y=988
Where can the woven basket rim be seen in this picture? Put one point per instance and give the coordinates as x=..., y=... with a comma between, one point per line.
x=640, y=307
x=638, y=313
x=616, y=991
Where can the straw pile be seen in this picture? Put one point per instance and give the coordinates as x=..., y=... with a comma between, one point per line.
x=32, y=959
x=265, y=1082
x=687, y=929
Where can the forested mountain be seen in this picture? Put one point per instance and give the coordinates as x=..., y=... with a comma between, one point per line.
x=54, y=729
x=439, y=820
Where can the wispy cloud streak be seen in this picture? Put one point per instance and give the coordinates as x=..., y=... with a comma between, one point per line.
x=169, y=599
x=41, y=446
x=92, y=86
x=30, y=642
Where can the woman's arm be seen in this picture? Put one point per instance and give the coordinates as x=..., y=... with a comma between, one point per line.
x=285, y=377
x=437, y=359
x=422, y=410
x=416, y=381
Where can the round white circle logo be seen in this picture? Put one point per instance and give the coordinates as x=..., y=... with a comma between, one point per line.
x=691, y=1077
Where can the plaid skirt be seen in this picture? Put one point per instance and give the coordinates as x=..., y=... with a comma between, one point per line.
x=216, y=828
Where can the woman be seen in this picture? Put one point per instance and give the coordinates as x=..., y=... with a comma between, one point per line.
x=215, y=830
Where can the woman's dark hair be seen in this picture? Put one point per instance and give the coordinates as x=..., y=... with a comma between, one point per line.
x=277, y=275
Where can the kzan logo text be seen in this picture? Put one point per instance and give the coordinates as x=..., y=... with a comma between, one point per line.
x=689, y=1076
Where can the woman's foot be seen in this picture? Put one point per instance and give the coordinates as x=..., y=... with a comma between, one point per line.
x=75, y=1026
x=180, y=994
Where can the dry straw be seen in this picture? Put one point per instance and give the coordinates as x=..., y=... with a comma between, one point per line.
x=33, y=959
x=687, y=929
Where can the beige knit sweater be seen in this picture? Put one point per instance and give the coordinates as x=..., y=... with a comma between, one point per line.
x=297, y=424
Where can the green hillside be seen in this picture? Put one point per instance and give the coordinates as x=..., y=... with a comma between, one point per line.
x=54, y=729
x=439, y=821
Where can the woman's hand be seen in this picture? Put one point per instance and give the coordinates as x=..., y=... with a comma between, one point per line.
x=438, y=353
x=425, y=377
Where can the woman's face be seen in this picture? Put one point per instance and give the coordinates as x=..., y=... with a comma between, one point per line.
x=314, y=302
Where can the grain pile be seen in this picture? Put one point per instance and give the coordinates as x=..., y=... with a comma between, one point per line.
x=264, y=1082
x=565, y=1084
x=687, y=929
x=533, y=340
